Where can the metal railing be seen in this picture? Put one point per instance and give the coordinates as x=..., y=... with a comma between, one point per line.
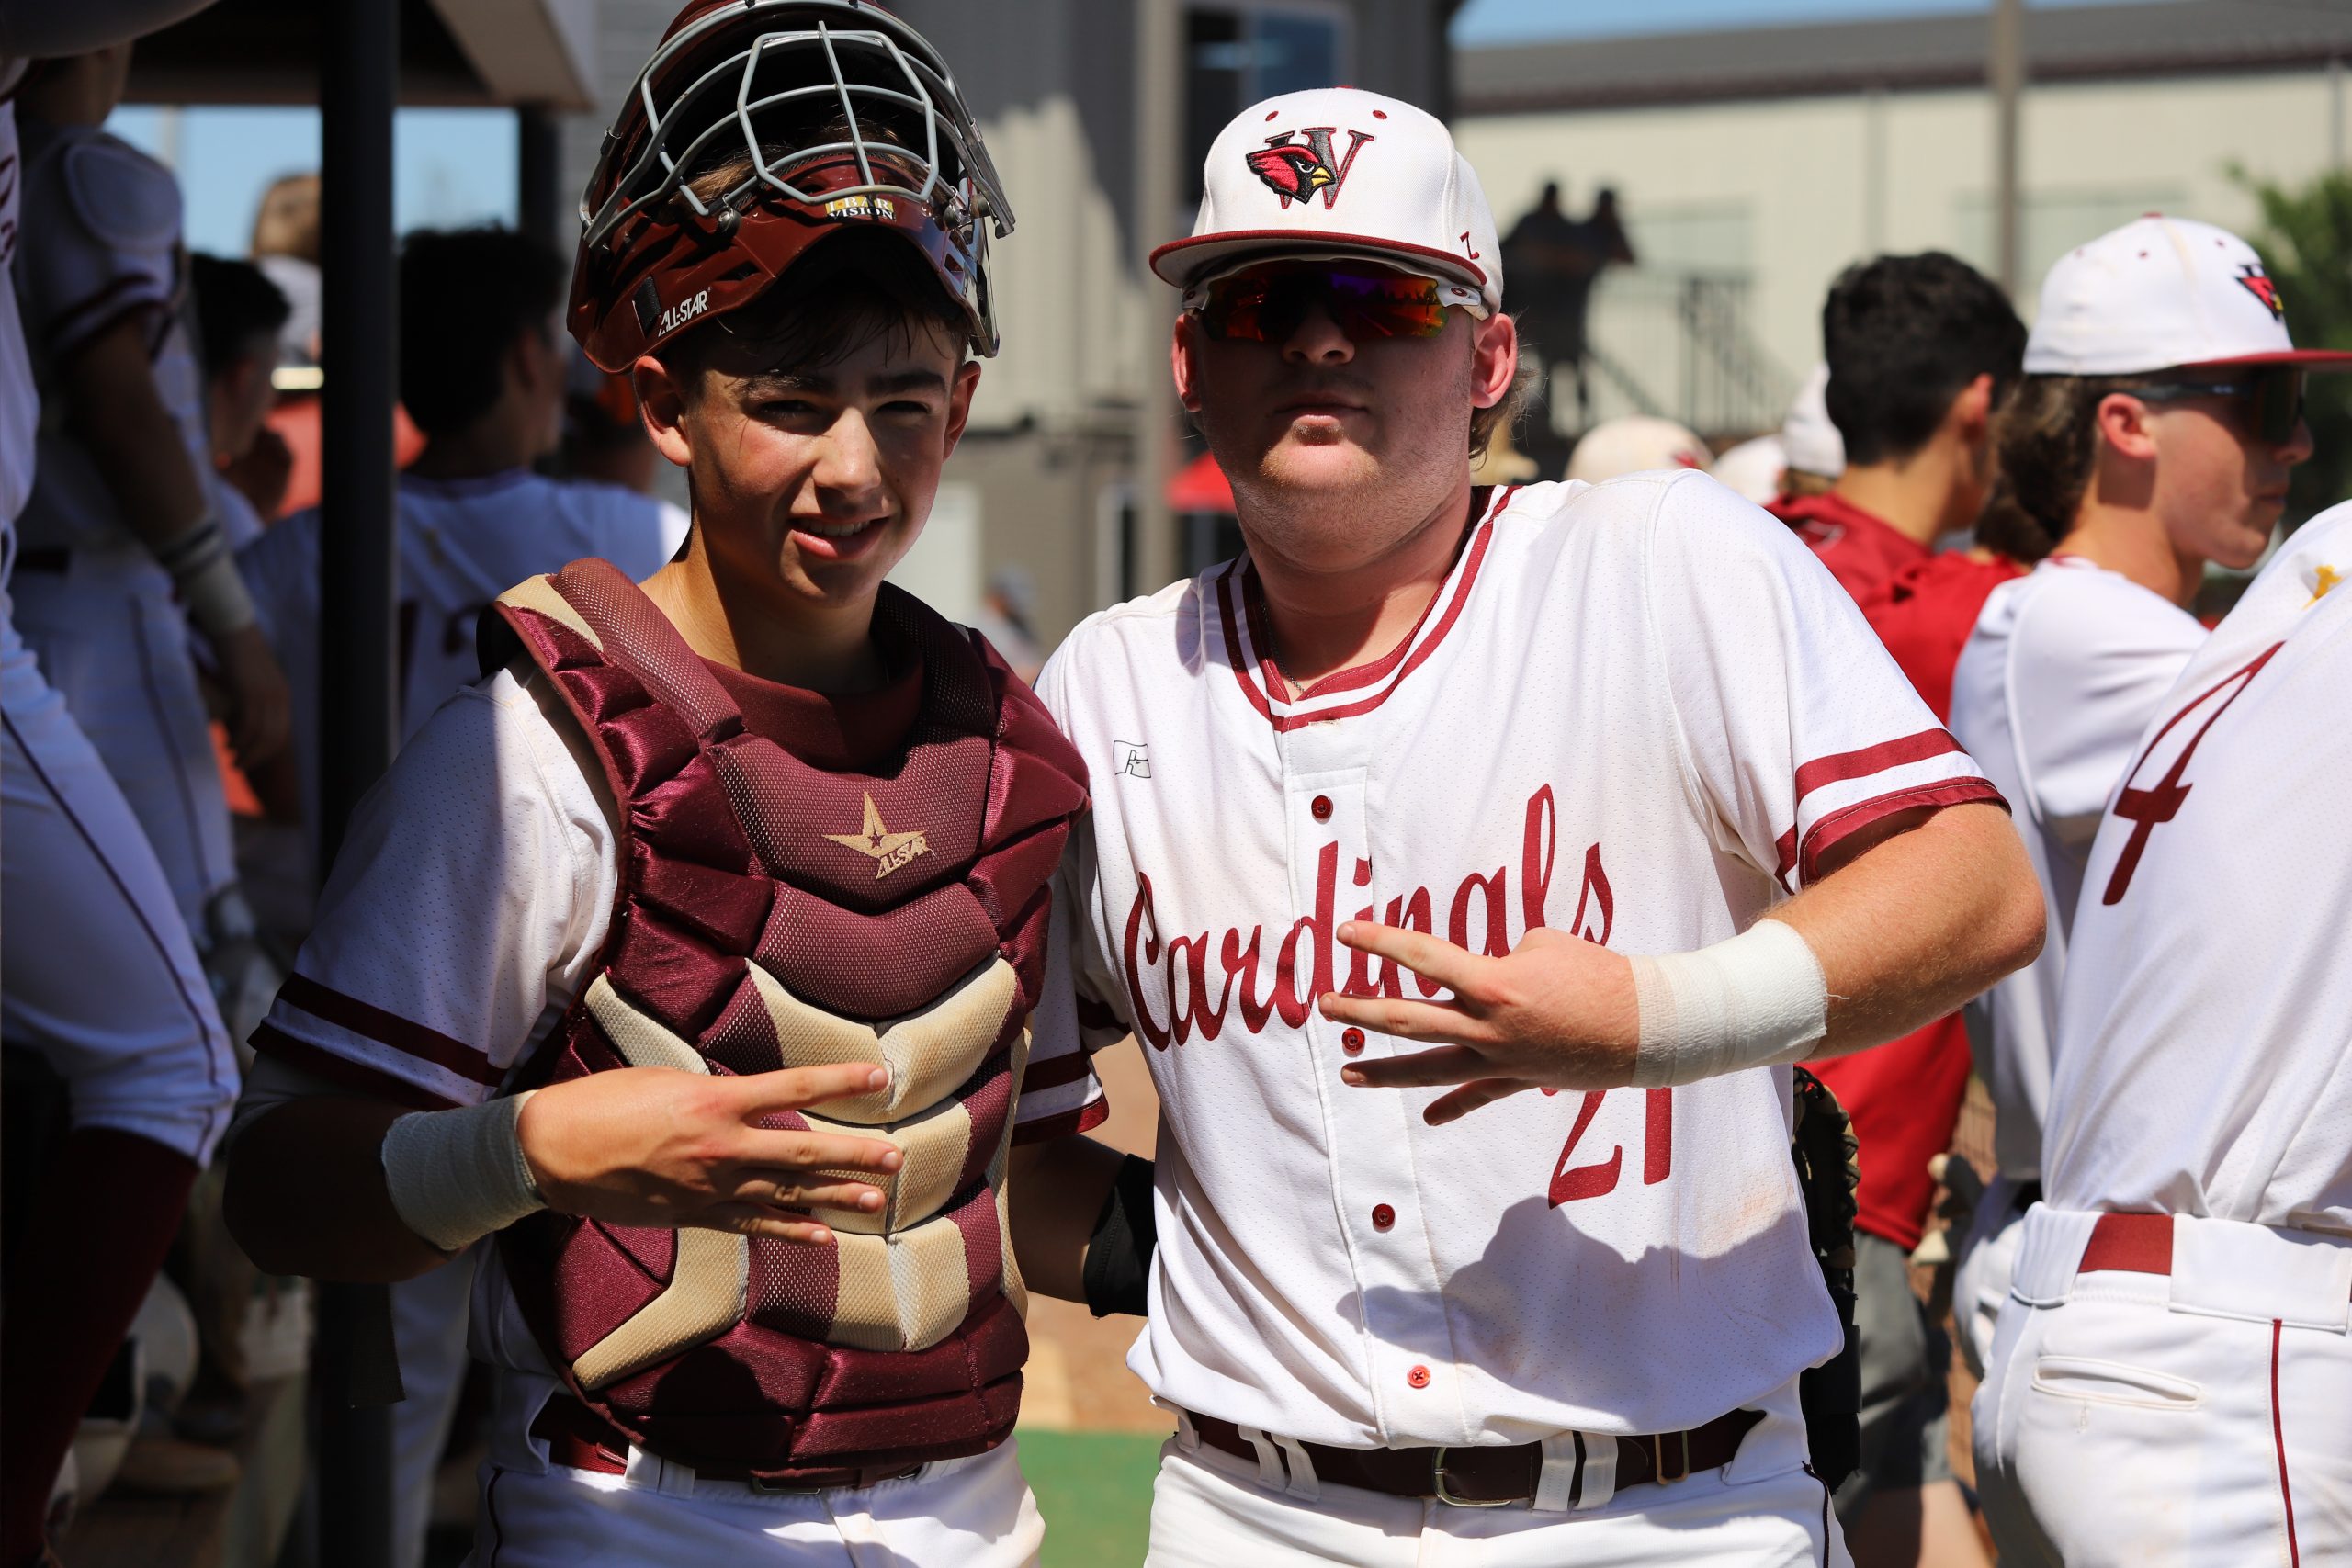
x=1680, y=343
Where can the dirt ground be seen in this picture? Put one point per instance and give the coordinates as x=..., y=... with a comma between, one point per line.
x=1077, y=1378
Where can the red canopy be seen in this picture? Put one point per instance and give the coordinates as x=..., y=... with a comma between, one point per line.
x=1200, y=486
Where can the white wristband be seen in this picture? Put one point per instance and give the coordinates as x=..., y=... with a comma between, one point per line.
x=1757, y=1001
x=216, y=597
x=456, y=1176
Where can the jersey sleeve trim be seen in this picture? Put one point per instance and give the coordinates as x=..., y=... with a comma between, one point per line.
x=1071, y=1068
x=1063, y=1124
x=370, y=1023
x=98, y=310
x=345, y=1072
x=1871, y=760
x=1830, y=829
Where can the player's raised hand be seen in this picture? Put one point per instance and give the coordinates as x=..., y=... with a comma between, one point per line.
x=261, y=708
x=656, y=1147
x=1559, y=1013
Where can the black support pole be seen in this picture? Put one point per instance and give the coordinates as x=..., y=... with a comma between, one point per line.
x=355, y=1375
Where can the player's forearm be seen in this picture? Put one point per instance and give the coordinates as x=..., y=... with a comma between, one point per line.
x=1917, y=922
x=306, y=1193
x=118, y=416
x=1058, y=1190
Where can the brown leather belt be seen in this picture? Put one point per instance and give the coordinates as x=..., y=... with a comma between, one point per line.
x=579, y=1438
x=1496, y=1477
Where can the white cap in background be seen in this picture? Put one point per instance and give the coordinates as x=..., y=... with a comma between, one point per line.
x=1808, y=441
x=1634, y=445
x=1338, y=172
x=2159, y=293
x=1753, y=469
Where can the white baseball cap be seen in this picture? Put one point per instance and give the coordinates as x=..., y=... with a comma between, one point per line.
x=2157, y=294
x=1338, y=172
x=1634, y=444
x=1807, y=438
x=1753, y=469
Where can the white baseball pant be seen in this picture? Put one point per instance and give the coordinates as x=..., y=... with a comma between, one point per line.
x=1210, y=1509
x=110, y=640
x=1980, y=1280
x=96, y=970
x=2146, y=1421
x=965, y=1513
x=429, y=1318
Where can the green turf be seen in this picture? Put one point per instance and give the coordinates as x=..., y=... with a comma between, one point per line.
x=1094, y=1489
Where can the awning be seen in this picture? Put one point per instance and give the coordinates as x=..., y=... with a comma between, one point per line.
x=1200, y=486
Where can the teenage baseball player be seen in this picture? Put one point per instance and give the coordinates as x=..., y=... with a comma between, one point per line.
x=693, y=953
x=2152, y=432
x=143, y=1050
x=1426, y=766
x=121, y=551
x=482, y=373
x=2172, y=1372
x=1921, y=349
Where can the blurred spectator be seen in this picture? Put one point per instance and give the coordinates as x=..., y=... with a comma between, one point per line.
x=1813, y=453
x=1552, y=261
x=285, y=248
x=239, y=315
x=1920, y=350
x=1006, y=618
x=1636, y=443
x=1753, y=468
x=604, y=439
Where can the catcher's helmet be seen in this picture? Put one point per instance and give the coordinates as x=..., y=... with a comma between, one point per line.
x=758, y=128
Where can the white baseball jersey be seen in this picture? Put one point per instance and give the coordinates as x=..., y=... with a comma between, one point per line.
x=1639, y=712
x=2205, y=1042
x=462, y=542
x=2054, y=685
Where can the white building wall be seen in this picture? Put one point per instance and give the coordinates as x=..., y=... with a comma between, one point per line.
x=1790, y=191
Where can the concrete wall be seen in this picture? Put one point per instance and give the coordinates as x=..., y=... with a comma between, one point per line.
x=1791, y=190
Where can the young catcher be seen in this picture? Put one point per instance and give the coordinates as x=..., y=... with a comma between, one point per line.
x=1605, y=789
x=693, y=951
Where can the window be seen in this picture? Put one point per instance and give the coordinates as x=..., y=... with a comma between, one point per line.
x=1236, y=55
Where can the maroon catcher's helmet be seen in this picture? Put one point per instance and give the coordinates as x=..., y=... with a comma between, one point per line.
x=836, y=113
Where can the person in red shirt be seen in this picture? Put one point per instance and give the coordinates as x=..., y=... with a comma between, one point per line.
x=1920, y=350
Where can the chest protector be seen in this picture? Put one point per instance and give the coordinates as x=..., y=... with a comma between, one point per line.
x=776, y=914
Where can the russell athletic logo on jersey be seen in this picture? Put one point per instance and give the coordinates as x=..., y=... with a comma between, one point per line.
x=1296, y=171
x=1168, y=975
x=890, y=850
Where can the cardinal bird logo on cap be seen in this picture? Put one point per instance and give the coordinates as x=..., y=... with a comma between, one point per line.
x=2260, y=284
x=1295, y=171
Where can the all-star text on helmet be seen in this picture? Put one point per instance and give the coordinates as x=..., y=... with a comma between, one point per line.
x=759, y=129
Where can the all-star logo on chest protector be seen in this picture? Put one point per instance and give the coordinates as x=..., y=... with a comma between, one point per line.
x=890, y=850
x=1296, y=171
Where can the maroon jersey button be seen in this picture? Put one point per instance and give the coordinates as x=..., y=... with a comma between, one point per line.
x=1419, y=1377
x=1383, y=1216
x=1351, y=1041
x=1322, y=808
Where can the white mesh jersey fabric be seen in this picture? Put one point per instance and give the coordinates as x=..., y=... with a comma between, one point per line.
x=2061, y=674
x=2204, y=1048
x=1637, y=711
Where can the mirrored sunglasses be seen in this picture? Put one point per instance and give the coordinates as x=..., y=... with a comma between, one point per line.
x=2267, y=399
x=1266, y=303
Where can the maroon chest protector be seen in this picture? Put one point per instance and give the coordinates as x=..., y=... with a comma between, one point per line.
x=775, y=913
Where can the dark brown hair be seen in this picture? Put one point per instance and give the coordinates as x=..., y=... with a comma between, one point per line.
x=2045, y=440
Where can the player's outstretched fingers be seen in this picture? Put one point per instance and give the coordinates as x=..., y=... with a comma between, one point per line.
x=1430, y=957
x=797, y=1088
x=1437, y=1022
x=1470, y=1097
x=780, y=1153
x=1448, y=1064
x=805, y=1189
x=753, y=1219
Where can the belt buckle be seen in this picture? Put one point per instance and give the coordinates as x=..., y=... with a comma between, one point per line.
x=1657, y=1458
x=1445, y=1496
